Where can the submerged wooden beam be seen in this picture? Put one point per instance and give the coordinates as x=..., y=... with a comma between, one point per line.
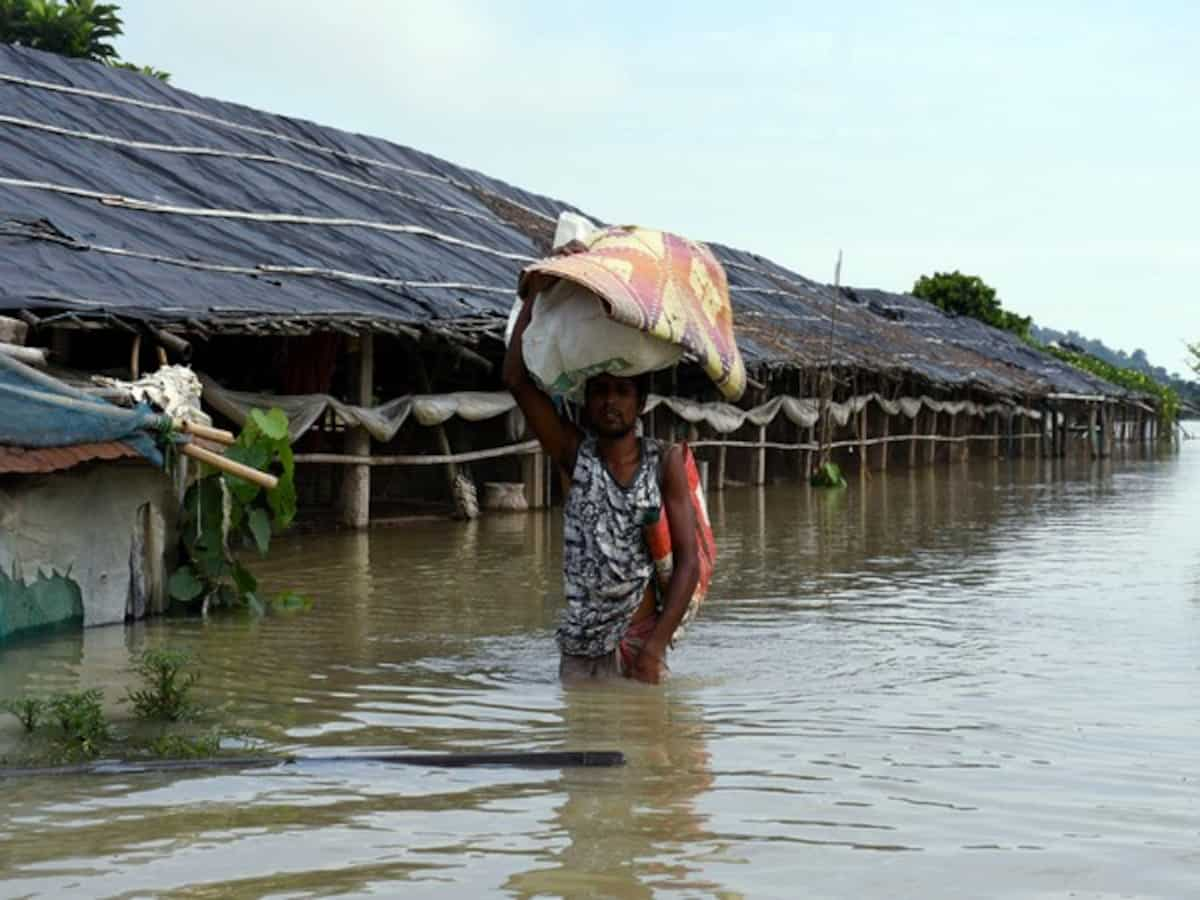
x=529, y=759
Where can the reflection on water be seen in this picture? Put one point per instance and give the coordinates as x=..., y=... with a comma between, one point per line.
x=967, y=681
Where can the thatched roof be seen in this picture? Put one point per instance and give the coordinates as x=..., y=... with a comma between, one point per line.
x=124, y=198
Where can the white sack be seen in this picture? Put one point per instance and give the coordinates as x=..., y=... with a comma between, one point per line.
x=571, y=338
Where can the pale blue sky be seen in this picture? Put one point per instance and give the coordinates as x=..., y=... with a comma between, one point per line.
x=1051, y=149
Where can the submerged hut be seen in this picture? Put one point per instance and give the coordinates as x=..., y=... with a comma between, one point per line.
x=86, y=516
x=363, y=287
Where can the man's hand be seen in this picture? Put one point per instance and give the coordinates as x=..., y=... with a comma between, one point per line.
x=649, y=667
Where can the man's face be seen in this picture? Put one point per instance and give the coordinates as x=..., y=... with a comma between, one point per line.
x=612, y=405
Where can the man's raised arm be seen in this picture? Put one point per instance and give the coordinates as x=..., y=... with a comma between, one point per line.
x=559, y=438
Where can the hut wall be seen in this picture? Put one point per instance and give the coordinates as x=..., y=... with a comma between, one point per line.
x=105, y=530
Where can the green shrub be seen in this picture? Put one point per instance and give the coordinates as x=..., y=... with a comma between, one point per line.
x=29, y=710
x=83, y=729
x=166, y=692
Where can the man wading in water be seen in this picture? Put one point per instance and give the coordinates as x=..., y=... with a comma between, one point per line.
x=614, y=623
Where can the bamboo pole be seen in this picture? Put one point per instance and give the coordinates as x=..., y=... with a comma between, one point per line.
x=219, y=435
x=31, y=356
x=439, y=430
x=914, y=433
x=229, y=466
x=886, y=426
x=863, y=424
x=526, y=448
x=134, y=353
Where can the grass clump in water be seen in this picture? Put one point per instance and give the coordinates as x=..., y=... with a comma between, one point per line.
x=83, y=730
x=28, y=710
x=72, y=727
x=166, y=692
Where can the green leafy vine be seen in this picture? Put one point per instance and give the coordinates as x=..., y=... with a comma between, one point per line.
x=223, y=514
x=1131, y=379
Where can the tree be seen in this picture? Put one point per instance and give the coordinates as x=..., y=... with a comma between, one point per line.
x=1194, y=349
x=82, y=29
x=969, y=295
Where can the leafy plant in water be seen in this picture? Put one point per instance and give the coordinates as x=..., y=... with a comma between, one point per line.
x=829, y=475
x=223, y=513
x=28, y=710
x=166, y=695
x=83, y=729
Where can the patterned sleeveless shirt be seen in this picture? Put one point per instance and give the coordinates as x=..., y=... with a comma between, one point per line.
x=606, y=563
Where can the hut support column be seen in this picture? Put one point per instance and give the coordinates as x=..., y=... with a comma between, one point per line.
x=532, y=474
x=863, y=425
x=439, y=431
x=355, y=505
x=760, y=457
x=721, y=468
x=883, y=448
x=912, y=443
x=931, y=450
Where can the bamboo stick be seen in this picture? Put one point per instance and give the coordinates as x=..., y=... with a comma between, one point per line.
x=418, y=459
x=218, y=435
x=31, y=356
x=237, y=469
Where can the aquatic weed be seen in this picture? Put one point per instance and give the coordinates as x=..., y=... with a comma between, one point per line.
x=28, y=710
x=166, y=696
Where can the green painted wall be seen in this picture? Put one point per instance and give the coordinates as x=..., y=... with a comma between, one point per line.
x=43, y=602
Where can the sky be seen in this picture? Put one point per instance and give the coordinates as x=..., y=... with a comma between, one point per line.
x=1052, y=149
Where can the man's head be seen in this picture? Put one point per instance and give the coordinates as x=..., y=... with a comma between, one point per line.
x=613, y=403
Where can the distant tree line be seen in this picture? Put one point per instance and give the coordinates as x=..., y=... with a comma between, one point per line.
x=82, y=29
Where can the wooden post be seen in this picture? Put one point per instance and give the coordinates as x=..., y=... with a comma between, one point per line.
x=886, y=428
x=931, y=450
x=532, y=471
x=758, y=462
x=995, y=435
x=443, y=442
x=355, y=505
x=913, y=446
x=863, y=424
x=721, y=468
x=760, y=457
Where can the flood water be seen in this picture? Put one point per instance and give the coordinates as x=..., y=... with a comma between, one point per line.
x=971, y=681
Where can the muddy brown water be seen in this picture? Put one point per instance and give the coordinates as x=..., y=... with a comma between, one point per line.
x=977, y=681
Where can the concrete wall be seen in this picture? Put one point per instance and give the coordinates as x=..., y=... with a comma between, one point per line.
x=106, y=526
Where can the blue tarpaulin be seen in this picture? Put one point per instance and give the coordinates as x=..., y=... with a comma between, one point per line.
x=37, y=410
